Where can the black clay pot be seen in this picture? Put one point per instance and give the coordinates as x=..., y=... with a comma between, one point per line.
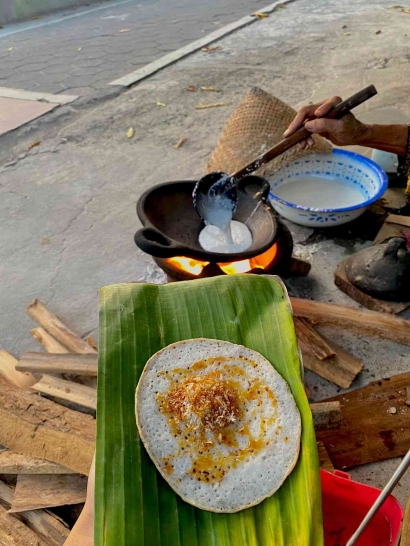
x=382, y=271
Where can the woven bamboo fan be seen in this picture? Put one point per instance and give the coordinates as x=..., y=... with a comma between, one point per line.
x=255, y=126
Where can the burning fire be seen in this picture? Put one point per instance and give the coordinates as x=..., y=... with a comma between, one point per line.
x=195, y=267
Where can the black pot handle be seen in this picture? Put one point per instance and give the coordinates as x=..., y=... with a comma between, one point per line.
x=153, y=242
x=248, y=183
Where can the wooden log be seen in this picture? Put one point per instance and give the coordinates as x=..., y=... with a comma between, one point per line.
x=324, y=460
x=68, y=363
x=374, y=425
x=16, y=533
x=40, y=428
x=341, y=370
x=8, y=371
x=44, y=524
x=67, y=391
x=312, y=340
x=16, y=463
x=326, y=414
x=50, y=343
x=54, y=326
x=360, y=320
x=37, y=491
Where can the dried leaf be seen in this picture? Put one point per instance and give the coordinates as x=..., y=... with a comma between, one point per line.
x=396, y=7
x=46, y=241
x=80, y=49
x=191, y=87
x=211, y=49
x=378, y=31
x=346, y=33
x=35, y=18
x=158, y=103
x=180, y=143
x=406, y=11
x=214, y=105
x=211, y=89
x=130, y=132
x=260, y=15
x=281, y=6
x=11, y=48
x=125, y=30
x=34, y=144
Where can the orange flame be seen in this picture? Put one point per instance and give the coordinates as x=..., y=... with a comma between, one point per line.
x=195, y=267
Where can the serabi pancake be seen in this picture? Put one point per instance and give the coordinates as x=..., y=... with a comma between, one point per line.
x=219, y=422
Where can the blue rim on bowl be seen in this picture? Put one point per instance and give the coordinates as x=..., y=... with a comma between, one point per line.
x=381, y=175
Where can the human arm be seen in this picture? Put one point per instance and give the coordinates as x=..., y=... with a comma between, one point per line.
x=83, y=531
x=349, y=130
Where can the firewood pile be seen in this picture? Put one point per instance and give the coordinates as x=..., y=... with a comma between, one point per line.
x=48, y=402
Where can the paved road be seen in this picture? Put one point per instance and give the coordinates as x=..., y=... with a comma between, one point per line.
x=80, y=51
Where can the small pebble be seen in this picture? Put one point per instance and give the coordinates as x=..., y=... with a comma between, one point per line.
x=392, y=411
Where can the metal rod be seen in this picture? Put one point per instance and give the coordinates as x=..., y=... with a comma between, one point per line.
x=404, y=465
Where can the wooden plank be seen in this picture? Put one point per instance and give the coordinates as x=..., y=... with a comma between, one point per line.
x=360, y=320
x=324, y=460
x=44, y=524
x=374, y=304
x=405, y=531
x=374, y=425
x=68, y=363
x=37, y=491
x=68, y=391
x=54, y=326
x=16, y=463
x=326, y=414
x=8, y=371
x=312, y=340
x=40, y=428
x=16, y=533
x=49, y=342
x=340, y=370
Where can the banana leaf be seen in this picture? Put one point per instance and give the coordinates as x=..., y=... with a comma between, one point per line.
x=134, y=506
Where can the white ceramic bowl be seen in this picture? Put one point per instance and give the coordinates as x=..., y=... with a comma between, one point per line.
x=322, y=190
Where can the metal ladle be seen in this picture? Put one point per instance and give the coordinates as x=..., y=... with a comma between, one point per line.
x=216, y=192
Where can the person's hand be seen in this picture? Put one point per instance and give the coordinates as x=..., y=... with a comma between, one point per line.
x=342, y=132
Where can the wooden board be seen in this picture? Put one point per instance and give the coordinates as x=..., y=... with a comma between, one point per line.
x=326, y=414
x=340, y=370
x=368, y=432
x=374, y=304
x=74, y=364
x=67, y=391
x=392, y=227
x=360, y=320
x=405, y=532
x=8, y=371
x=312, y=340
x=44, y=491
x=16, y=463
x=16, y=533
x=44, y=524
x=40, y=428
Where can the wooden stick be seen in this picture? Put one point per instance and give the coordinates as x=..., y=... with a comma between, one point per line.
x=16, y=533
x=36, y=491
x=46, y=525
x=8, y=371
x=50, y=344
x=54, y=326
x=59, y=363
x=324, y=460
x=340, y=370
x=67, y=390
x=360, y=320
x=312, y=340
x=40, y=428
x=16, y=463
x=326, y=414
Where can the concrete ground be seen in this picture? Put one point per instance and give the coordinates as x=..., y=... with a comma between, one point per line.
x=68, y=205
x=79, y=51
